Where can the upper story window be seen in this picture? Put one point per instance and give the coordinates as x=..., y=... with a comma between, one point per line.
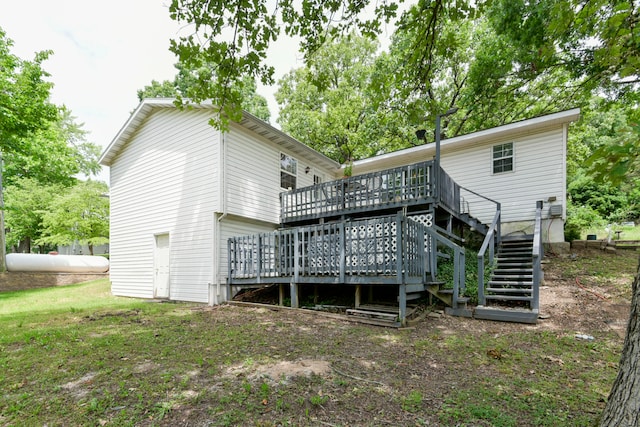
x=503, y=158
x=288, y=172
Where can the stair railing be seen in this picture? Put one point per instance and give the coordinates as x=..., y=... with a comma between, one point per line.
x=537, y=253
x=465, y=208
x=491, y=240
x=459, y=274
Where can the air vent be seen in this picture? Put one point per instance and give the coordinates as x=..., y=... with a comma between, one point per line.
x=555, y=210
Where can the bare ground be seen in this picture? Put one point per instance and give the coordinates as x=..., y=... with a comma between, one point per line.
x=326, y=371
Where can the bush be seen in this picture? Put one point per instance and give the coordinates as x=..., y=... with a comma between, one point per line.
x=603, y=198
x=581, y=218
x=571, y=232
x=446, y=269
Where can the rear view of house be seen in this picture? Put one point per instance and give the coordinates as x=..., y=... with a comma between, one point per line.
x=197, y=214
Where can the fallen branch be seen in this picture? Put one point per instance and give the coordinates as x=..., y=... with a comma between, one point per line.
x=603, y=298
x=358, y=378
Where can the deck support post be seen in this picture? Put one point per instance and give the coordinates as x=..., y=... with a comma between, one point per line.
x=358, y=295
x=402, y=302
x=400, y=267
x=281, y=294
x=294, y=295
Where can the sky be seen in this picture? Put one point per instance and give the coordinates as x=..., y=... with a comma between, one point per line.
x=104, y=52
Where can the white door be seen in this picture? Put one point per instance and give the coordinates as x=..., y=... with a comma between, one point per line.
x=161, y=261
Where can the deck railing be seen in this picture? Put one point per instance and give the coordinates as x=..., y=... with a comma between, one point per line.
x=377, y=250
x=406, y=185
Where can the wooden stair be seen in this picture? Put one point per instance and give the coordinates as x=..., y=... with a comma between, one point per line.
x=454, y=308
x=380, y=315
x=473, y=223
x=509, y=292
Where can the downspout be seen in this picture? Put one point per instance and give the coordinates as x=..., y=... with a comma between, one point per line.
x=222, y=168
x=565, y=142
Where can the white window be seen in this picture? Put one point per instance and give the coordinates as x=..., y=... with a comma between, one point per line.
x=503, y=158
x=288, y=172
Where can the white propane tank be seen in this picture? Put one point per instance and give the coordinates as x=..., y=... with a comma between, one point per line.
x=54, y=263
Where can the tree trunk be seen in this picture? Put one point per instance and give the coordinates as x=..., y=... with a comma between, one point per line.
x=90, y=248
x=24, y=246
x=623, y=406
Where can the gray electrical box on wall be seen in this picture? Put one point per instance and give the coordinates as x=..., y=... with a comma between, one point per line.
x=555, y=210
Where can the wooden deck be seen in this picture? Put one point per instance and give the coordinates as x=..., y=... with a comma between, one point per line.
x=375, y=229
x=383, y=250
x=411, y=185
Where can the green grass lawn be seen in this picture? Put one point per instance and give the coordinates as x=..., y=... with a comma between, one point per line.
x=626, y=232
x=78, y=356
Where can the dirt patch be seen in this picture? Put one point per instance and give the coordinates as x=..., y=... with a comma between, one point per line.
x=576, y=296
x=80, y=387
x=282, y=371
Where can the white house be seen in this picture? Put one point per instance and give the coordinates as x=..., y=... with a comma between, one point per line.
x=180, y=188
x=516, y=164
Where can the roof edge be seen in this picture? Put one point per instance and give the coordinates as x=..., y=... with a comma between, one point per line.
x=146, y=106
x=566, y=116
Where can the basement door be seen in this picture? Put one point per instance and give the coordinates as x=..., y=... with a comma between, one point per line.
x=161, y=267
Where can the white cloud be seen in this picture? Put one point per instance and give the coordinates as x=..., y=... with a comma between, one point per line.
x=105, y=51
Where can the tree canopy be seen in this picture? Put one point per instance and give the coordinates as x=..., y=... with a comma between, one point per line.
x=188, y=82
x=43, y=148
x=80, y=214
x=328, y=104
x=534, y=41
x=24, y=97
x=26, y=201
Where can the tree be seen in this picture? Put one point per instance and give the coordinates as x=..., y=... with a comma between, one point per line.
x=233, y=38
x=80, y=214
x=596, y=40
x=26, y=202
x=53, y=154
x=24, y=96
x=327, y=104
x=623, y=405
x=186, y=83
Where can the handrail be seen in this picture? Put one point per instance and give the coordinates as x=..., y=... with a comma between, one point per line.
x=488, y=243
x=410, y=184
x=537, y=253
x=459, y=273
x=498, y=209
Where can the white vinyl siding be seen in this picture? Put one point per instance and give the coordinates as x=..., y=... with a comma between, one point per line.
x=253, y=175
x=165, y=181
x=539, y=172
